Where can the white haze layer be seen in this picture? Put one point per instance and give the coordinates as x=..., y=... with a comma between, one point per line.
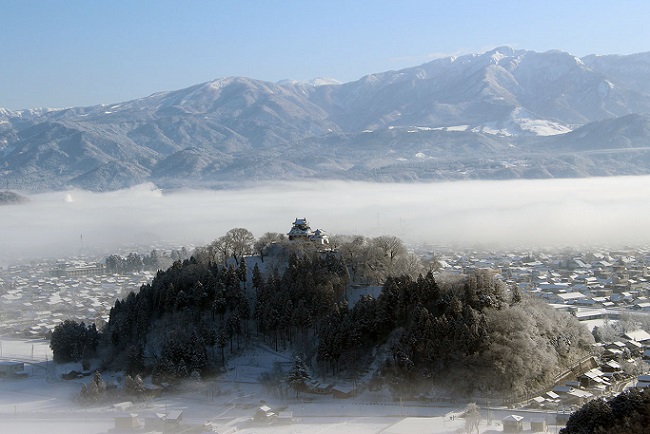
x=537, y=213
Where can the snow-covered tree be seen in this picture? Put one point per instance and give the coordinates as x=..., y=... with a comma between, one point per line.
x=134, y=385
x=298, y=376
x=472, y=416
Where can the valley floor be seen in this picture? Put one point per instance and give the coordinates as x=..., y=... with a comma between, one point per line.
x=42, y=402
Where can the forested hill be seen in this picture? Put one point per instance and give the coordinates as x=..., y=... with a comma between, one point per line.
x=173, y=326
x=469, y=334
x=11, y=198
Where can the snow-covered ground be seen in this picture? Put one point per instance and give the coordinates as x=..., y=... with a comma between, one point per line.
x=44, y=403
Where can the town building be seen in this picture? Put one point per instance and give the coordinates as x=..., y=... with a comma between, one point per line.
x=513, y=423
x=79, y=268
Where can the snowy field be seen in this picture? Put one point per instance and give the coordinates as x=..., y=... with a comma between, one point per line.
x=43, y=403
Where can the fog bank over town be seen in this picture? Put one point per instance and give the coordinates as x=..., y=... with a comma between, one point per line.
x=536, y=213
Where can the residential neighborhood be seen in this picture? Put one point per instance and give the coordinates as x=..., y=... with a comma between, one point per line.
x=601, y=288
x=35, y=297
x=607, y=290
x=593, y=285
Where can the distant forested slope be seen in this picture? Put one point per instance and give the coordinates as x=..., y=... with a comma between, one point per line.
x=10, y=198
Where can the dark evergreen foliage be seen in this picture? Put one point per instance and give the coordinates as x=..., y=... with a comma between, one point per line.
x=627, y=413
x=466, y=336
x=298, y=376
x=290, y=306
x=173, y=326
x=72, y=341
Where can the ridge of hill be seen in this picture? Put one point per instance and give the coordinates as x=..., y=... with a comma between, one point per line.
x=505, y=113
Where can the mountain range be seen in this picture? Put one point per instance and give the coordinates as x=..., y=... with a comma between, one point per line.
x=503, y=114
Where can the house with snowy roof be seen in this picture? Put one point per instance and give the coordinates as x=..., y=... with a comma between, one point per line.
x=513, y=423
x=639, y=335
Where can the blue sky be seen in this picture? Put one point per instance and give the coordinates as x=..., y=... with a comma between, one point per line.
x=76, y=53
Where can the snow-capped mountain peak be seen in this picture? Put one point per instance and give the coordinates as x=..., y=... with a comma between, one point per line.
x=455, y=110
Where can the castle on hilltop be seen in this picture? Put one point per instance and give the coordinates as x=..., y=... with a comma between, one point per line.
x=300, y=231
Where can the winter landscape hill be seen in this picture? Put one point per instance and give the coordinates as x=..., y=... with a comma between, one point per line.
x=503, y=114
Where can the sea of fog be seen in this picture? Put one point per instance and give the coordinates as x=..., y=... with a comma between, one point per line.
x=528, y=213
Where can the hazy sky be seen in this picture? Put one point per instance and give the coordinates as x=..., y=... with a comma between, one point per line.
x=537, y=213
x=80, y=52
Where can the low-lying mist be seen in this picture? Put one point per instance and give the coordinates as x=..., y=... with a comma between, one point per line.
x=537, y=213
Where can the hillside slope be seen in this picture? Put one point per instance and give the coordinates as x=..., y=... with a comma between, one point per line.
x=502, y=114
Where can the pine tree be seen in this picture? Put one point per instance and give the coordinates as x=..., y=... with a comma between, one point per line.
x=95, y=390
x=257, y=277
x=222, y=341
x=181, y=370
x=135, y=360
x=242, y=270
x=134, y=385
x=298, y=376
